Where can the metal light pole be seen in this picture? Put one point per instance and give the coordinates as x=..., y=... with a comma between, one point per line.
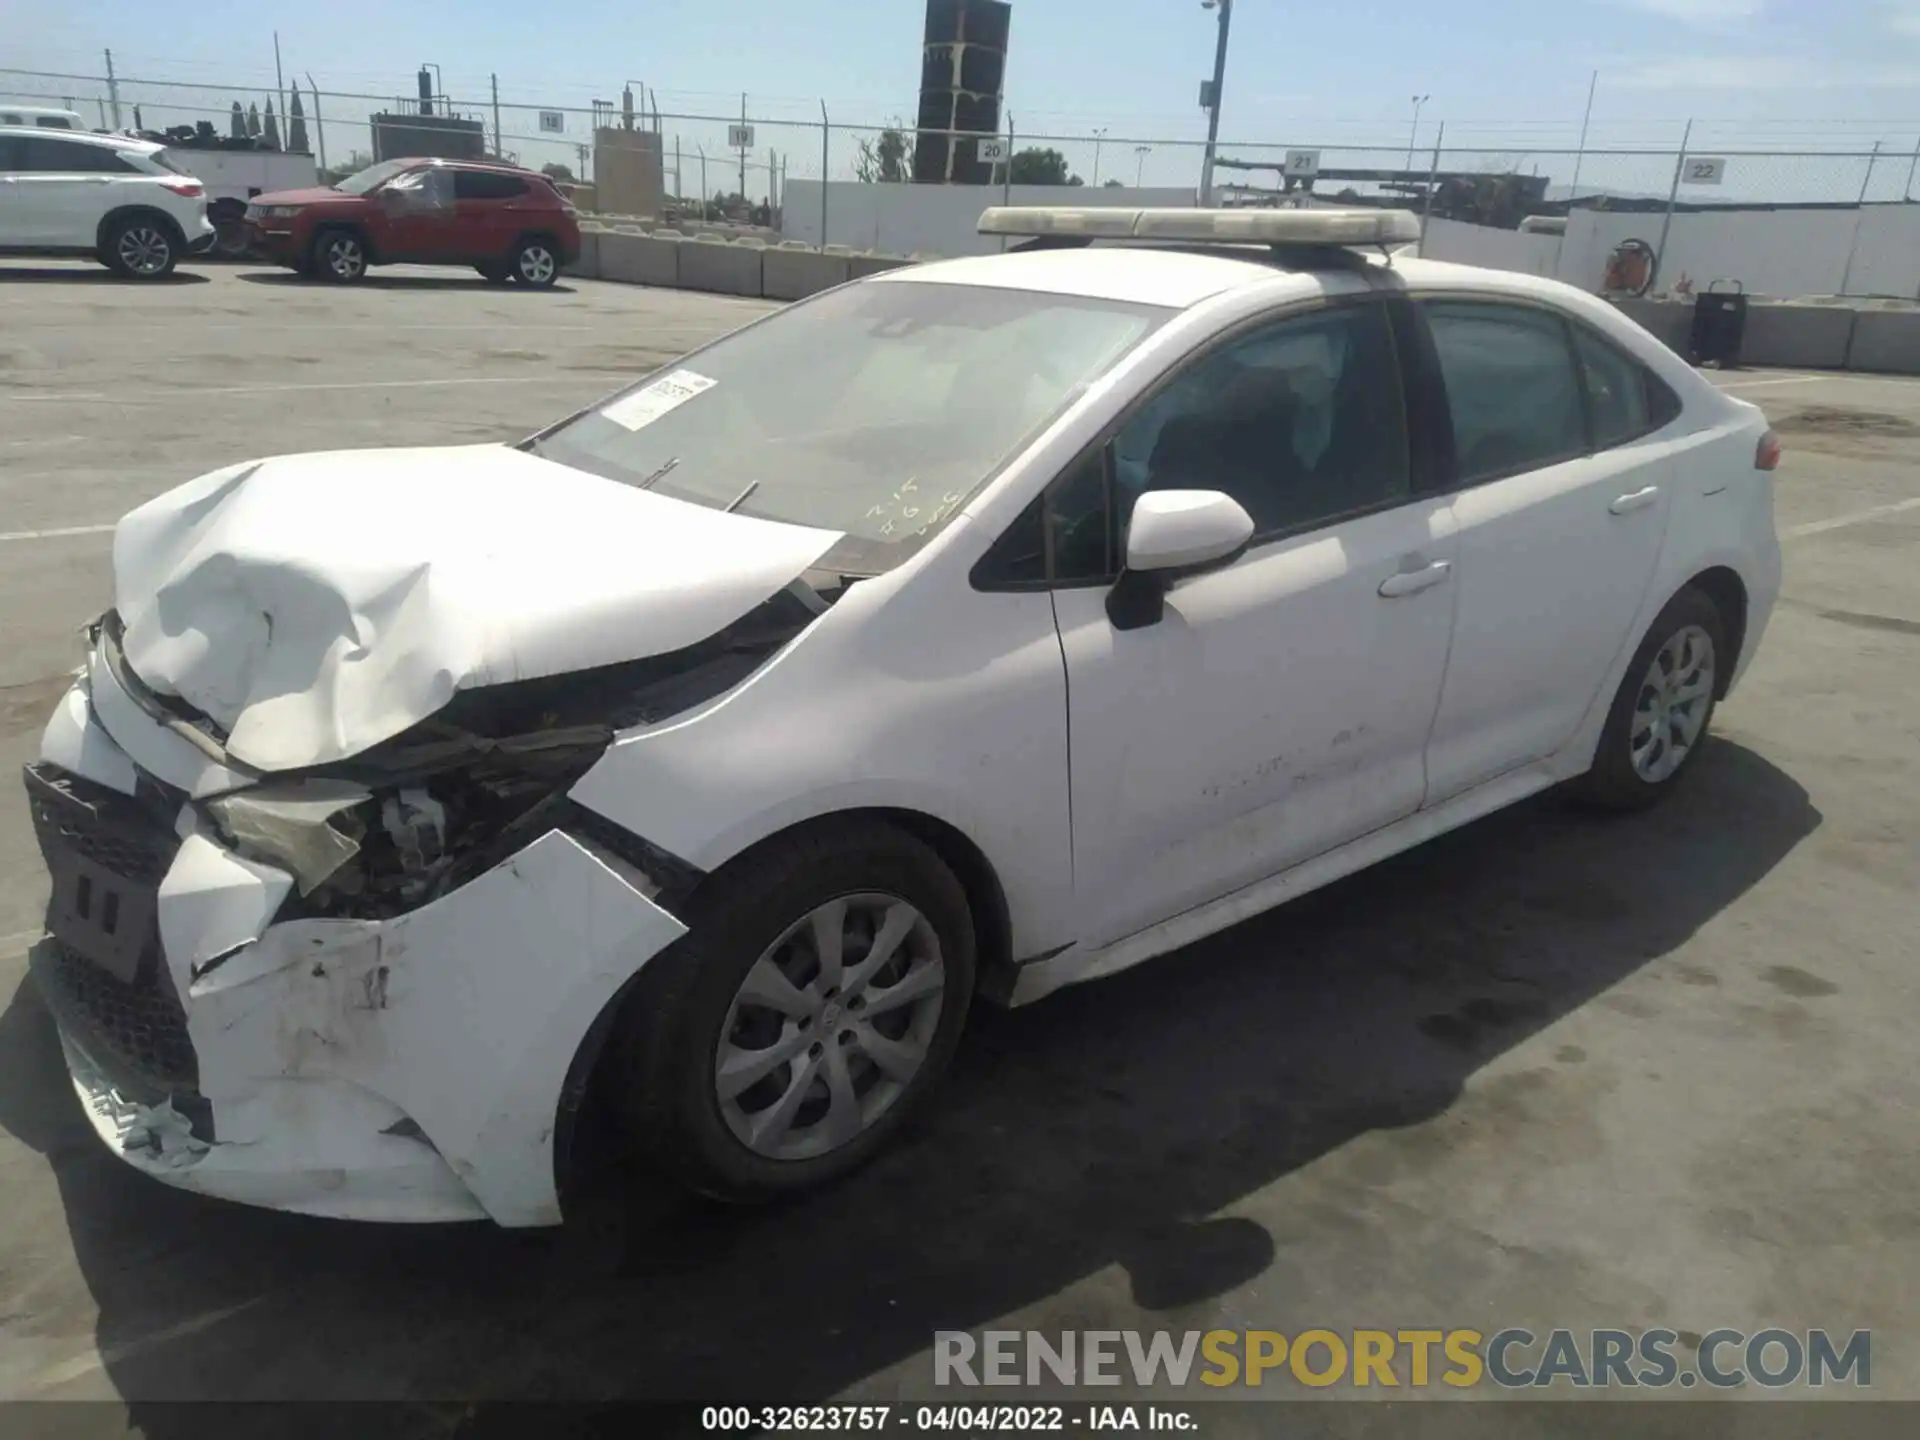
x=1140, y=168
x=1580, y=156
x=1225, y=7
x=1098, y=136
x=1413, y=135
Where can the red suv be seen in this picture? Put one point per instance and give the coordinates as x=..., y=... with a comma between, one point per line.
x=508, y=223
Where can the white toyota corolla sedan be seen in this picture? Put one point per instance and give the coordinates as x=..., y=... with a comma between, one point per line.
x=686, y=770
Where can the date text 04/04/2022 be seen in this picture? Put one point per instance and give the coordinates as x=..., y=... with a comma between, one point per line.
x=962, y=1419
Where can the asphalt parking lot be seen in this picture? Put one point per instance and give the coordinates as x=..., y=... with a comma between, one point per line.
x=1548, y=1071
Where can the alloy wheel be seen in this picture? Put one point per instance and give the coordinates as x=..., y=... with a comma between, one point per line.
x=537, y=264
x=344, y=257
x=830, y=1026
x=144, y=250
x=1671, y=711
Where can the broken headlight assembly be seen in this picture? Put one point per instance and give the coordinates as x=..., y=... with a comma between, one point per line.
x=445, y=801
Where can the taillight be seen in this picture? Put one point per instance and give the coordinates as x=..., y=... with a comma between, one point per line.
x=191, y=189
x=1766, y=455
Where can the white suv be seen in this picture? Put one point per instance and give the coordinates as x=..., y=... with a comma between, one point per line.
x=118, y=200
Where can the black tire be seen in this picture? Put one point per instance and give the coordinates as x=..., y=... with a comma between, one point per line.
x=303, y=267
x=1615, y=782
x=493, y=273
x=667, y=1042
x=140, y=247
x=339, y=256
x=535, y=262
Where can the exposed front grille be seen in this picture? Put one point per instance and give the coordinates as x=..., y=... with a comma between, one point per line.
x=111, y=830
x=136, y=1034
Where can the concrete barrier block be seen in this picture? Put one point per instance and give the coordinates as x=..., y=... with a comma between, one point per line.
x=640, y=260
x=1887, y=341
x=720, y=268
x=1812, y=337
x=588, y=263
x=1668, y=321
x=796, y=274
x=874, y=264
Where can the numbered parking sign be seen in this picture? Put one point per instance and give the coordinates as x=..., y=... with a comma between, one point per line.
x=552, y=122
x=740, y=137
x=1705, y=169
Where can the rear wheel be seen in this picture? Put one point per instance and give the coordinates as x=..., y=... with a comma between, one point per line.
x=140, y=247
x=339, y=256
x=1658, y=722
x=534, y=263
x=814, y=1003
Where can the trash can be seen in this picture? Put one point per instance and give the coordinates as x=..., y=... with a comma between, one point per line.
x=1719, y=325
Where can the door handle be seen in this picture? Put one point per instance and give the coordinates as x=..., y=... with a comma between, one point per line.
x=1638, y=500
x=1412, y=582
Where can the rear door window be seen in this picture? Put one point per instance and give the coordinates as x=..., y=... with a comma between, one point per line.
x=1514, y=390
x=46, y=155
x=479, y=185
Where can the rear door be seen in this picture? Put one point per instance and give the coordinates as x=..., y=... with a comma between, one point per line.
x=488, y=205
x=12, y=213
x=1564, y=488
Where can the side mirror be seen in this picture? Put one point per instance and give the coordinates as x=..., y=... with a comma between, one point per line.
x=1174, y=533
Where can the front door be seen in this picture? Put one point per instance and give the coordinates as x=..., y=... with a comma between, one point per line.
x=1281, y=706
x=1566, y=483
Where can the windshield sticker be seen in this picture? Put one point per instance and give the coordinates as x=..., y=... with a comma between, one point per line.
x=649, y=403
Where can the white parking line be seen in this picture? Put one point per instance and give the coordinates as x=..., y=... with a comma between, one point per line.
x=189, y=391
x=64, y=1372
x=1840, y=522
x=1782, y=380
x=9, y=535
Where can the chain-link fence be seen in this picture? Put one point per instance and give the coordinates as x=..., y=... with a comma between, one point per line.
x=728, y=154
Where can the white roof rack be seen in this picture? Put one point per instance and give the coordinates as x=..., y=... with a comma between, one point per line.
x=1350, y=226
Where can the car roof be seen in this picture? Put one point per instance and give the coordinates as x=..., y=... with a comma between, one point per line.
x=448, y=162
x=1172, y=278
x=1181, y=277
x=88, y=137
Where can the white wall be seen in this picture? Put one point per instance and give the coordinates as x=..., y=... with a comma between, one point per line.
x=931, y=219
x=1466, y=244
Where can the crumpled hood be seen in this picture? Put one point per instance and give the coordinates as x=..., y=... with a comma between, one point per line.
x=315, y=605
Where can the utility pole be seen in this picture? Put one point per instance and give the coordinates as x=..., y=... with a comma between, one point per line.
x=1140, y=163
x=1213, y=96
x=319, y=129
x=1413, y=135
x=113, y=91
x=1859, y=217
x=1098, y=136
x=279, y=76
x=1673, y=197
x=743, y=149
x=496, y=115
x=1580, y=155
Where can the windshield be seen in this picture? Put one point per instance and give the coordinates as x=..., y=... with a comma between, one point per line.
x=876, y=409
x=362, y=181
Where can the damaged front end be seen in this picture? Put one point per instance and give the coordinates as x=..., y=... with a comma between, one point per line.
x=357, y=989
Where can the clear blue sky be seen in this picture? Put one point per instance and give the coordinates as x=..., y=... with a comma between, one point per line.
x=1500, y=73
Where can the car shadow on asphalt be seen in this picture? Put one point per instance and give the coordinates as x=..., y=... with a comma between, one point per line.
x=90, y=275
x=1099, y=1129
x=374, y=281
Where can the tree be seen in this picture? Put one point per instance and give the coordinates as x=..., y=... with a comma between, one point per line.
x=296, y=124
x=1114, y=185
x=1034, y=166
x=272, y=132
x=884, y=160
x=253, y=120
x=238, y=122
x=554, y=170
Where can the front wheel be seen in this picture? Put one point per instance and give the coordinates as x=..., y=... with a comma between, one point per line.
x=339, y=256
x=492, y=273
x=814, y=1003
x=1658, y=722
x=534, y=263
x=140, y=248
